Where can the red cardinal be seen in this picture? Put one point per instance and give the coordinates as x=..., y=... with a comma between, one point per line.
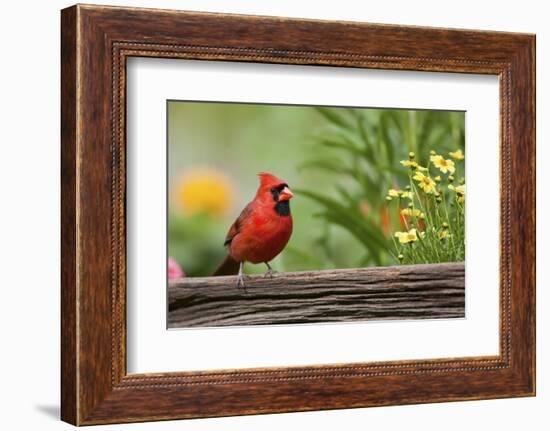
x=261, y=231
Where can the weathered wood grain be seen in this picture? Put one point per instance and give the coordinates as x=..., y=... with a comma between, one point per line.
x=384, y=293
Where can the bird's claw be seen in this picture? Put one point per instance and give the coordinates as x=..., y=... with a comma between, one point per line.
x=270, y=273
x=240, y=282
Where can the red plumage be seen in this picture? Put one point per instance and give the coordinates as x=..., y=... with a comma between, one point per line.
x=263, y=228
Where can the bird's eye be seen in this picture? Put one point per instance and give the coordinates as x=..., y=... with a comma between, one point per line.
x=275, y=194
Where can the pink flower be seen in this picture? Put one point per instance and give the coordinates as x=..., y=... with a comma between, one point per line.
x=174, y=270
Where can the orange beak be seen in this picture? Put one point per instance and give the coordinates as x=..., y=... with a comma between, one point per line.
x=285, y=194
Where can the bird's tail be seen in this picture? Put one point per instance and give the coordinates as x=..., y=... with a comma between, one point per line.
x=229, y=266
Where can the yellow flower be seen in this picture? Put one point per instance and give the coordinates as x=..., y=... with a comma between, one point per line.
x=444, y=165
x=425, y=182
x=409, y=164
x=457, y=155
x=204, y=190
x=409, y=212
x=460, y=192
x=407, y=195
x=413, y=165
x=443, y=234
x=408, y=237
x=393, y=193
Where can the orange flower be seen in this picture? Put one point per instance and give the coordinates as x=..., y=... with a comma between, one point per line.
x=385, y=221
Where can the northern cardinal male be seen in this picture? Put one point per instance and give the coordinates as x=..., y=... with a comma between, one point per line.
x=262, y=230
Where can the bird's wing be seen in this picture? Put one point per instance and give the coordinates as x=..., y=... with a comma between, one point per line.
x=236, y=227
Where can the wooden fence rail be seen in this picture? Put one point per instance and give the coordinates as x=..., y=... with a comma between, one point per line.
x=382, y=293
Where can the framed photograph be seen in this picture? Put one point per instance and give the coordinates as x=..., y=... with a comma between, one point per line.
x=264, y=215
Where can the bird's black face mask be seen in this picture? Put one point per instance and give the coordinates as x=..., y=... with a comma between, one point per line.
x=282, y=207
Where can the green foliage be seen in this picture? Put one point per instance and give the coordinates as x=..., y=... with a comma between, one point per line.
x=432, y=210
x=350, y=218
x=362, y=149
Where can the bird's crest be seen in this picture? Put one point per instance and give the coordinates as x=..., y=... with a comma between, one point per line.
x=269, y=180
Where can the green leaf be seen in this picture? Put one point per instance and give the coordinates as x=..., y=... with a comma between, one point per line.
x=342, y=144
x=364, y=135
x=332, y=116
x=332, y=165
x=351, y=219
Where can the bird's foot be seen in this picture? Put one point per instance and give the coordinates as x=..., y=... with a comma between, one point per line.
x=270, y=273
x=240, y=283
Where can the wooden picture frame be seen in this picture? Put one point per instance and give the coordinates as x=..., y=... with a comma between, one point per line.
x=96, y=41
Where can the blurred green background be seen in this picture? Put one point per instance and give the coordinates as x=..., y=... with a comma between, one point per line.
x=339, y=162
